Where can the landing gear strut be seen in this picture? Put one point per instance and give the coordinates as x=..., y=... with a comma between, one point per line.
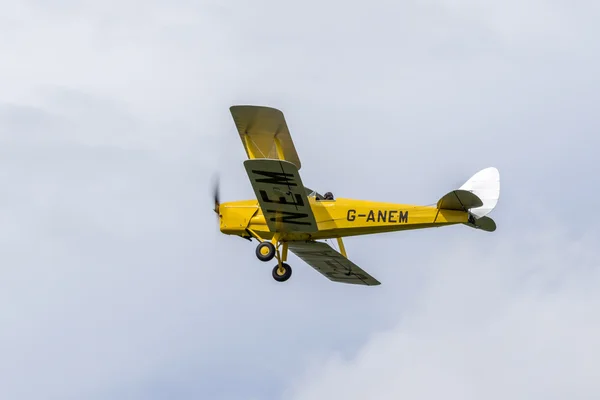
x=282, y=271
x=268, y=250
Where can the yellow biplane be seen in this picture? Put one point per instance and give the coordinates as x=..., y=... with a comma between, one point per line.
x=288, y=216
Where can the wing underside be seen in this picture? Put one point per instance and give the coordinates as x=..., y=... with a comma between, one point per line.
x=264, y=133
x=281, y=195
x=330, y=263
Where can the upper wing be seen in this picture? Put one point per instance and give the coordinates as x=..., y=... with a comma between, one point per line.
x=264, y=133
x=330, y=263
x=281, y=195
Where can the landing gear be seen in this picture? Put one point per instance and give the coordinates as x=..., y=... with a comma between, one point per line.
x=265, y=251
x=268, y=250
x=282, y=273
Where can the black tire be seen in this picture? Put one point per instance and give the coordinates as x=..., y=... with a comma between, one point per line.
x=265, y=251
x=286, y=274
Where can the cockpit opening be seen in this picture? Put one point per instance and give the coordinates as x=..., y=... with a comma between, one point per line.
x=319, y=197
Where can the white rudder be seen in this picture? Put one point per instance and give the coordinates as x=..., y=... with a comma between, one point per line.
x=485, y=184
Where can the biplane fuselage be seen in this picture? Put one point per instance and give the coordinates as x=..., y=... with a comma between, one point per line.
x=338, y=218
x=287, y=216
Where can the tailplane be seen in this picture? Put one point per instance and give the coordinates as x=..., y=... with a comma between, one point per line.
x=484, y=223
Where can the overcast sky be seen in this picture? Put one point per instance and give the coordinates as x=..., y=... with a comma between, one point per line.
x=116, y=283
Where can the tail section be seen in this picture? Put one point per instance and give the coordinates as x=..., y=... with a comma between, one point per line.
x=484, y=223
x=460, y=200
x=486, y=185
x=478, y=196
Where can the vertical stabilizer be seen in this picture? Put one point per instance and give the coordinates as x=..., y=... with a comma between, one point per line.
x=486, y=185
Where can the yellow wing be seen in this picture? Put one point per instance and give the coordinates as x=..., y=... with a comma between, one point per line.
x=330, y=263
x=264, y=133
x=281, y=195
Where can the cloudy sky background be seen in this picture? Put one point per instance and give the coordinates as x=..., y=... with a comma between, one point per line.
x=115, y=282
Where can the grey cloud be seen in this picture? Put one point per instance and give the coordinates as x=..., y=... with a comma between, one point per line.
x=115, y=118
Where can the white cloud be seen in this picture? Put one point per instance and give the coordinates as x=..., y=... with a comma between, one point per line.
x=520, y=321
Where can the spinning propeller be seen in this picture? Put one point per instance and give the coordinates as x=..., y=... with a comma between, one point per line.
x=216, y=194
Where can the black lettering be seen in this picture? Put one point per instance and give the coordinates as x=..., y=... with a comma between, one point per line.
x=314, y=253
x=403, y=216
x=371, y=216
x=362, y=215
x=288, y=217
x=337, y=268
x=275, y=178
x=299, y=202
x=282, y=200
x=381, y=216
x=390, y=219
x=351, y=217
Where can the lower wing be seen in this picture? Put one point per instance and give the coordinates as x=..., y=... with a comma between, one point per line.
x=330, y=263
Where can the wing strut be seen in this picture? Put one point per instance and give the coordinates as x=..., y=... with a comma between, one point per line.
x=342, y=248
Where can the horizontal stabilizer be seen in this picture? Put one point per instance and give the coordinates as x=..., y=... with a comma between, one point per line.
x=484, y=223
x=460, y=200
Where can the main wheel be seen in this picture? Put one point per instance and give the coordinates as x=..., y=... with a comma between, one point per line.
x=282, y=274
x=265, y=251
